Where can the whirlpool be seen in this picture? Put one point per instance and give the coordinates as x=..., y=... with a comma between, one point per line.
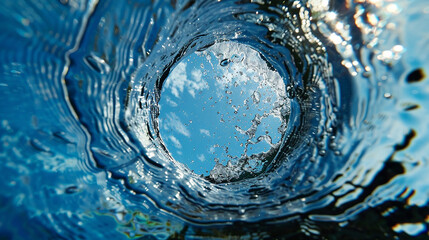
x=214, y=119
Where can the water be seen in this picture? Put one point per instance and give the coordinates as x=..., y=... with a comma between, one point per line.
x=214, y=119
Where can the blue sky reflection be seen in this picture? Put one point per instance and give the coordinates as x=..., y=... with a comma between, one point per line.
x=222, y=105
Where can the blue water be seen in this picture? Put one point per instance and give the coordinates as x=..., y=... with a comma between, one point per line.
x=214, y=119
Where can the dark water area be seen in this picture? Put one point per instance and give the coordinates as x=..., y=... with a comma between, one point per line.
x=214, y=119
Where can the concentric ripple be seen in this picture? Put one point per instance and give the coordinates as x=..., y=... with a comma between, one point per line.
x=300, y=86
x=227, y=119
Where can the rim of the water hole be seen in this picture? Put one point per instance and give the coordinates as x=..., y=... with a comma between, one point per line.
x=156, y=172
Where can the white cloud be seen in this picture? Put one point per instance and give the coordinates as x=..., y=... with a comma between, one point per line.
x=198, y=84
x=205, y=132
x=196, y=75
x=175, y=141
x=201, y=157
x=178, y=81
x=171, y=102
x=173, y=122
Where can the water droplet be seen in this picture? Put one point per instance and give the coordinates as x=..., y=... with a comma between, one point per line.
x=290, y=92
x=225, y=62
x=387, y=95
x=416, y=76
x=241, y=210
x=256, y=97
x=71, y=190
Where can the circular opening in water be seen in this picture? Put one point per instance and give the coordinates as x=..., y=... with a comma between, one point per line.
x=223, y=112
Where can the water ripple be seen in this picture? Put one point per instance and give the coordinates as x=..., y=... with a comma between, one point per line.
x=95, y=94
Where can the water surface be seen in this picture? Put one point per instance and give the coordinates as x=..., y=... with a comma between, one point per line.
x=226, y=119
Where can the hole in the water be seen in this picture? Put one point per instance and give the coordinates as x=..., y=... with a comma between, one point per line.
x=223, y=112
